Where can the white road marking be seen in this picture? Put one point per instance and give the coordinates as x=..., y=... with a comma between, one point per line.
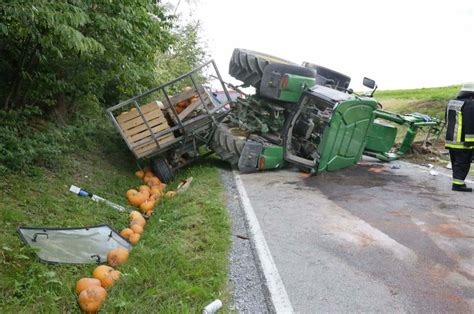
x=279, y=298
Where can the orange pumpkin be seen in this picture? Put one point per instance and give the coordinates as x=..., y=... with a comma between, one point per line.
x=127, y=232
x=148, y=176
x=149, y=213
x=138, y=221
x=135, y=214
x=140, y=174
x=117, y=256
x=91, y=299
x=137, y=229
x=84, y=283
x=134, y=238
x=153, y=181
x=170, y=194
x=147, y=205
x=115, y=274
x=137, y=198
x=154, y=197
x=147, y=169
x=131, y=192
x=157, y=189
x=144, y=188
x=102, y=273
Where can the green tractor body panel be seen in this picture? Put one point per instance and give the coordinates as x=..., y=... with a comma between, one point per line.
x=381, y=137
x=292, y=86
x=271, y=158
x=345, y=139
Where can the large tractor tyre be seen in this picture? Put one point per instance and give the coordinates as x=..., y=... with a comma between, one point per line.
x=247, y=65
x=162, y=170
x=228, y=143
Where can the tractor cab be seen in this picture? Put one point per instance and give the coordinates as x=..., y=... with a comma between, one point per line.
x=328, y=130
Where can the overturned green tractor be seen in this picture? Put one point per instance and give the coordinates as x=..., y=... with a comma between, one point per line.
x=306, y=116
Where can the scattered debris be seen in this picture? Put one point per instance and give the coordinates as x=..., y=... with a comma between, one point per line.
x=449, y=166
x=83, y=245
x=184, y=185
x=429, y=166
x=242, y=237
x=212, y=307
x=395, y=167
x=434, y=172
x=77, y=190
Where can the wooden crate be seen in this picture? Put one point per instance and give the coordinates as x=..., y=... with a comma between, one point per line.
x=196, y=105
x=136, y=132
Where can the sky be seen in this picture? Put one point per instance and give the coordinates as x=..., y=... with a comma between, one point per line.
x=400, y=44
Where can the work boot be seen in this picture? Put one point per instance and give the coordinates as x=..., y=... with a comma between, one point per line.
x=461, y=188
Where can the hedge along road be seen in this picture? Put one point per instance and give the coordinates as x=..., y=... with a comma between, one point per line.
x=368, y=238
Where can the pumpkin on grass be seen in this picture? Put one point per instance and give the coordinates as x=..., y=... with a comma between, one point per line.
x=147, y=205
x=138, y=221
x=84, y=283
x=91, y=299
x=130, y=193
x=127, y=232
x=153, y=181
x=157, y=190
x=135, y=214
x=140, y=174
x=134, y=238
x=137, y=229
x=149, y=213
x=117, y=256
x=136, y=198
x=103, y=273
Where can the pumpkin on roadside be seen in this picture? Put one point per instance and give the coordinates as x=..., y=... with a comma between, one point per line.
x=140, y=174
x=84, y=283
x=147, y=205
x=91, y=299
x=135, y=214
x=117, y=256
x=130, y=192
x=149, y=213
x=136, y=198
x=137, y=229
x=157, y=190
x=153, y=181
x=138, y=221
x=115, y=275
x=127, y=232
x=134, y=238
x=148, y=176
x=102, y=273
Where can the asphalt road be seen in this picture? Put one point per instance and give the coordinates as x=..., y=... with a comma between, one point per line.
x=368, y=238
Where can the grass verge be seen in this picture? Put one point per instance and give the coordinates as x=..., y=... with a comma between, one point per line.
x=430, y=101
x=179, y=265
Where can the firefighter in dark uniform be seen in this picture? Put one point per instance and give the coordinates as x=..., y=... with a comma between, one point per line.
x=460, y=135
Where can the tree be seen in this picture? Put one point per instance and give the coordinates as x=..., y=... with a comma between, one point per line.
x=54, y=53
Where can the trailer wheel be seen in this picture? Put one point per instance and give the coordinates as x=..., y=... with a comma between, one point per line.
x=162, y=170
x=228, y=143
x=247, y=65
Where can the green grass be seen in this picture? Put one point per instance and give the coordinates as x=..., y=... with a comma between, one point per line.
x=179, y=265
x=431, y=101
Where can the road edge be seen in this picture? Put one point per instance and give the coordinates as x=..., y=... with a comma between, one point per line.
x=278, y=296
